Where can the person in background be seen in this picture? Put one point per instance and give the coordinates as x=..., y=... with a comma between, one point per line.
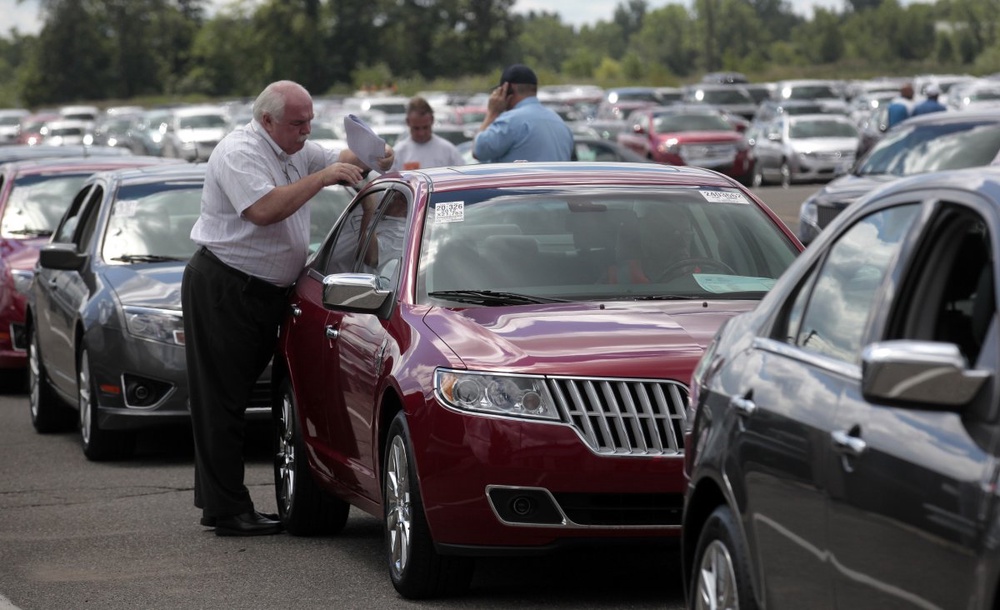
x=900, y=107
x=931, y=104
x=518, y=127
x=424, y=148
x=254, y=236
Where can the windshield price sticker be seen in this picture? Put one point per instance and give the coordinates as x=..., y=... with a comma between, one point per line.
x=125, y=208
x=451, y=211
x=724, y=196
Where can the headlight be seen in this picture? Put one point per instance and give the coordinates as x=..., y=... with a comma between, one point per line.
x=808, y=213
x=508, y=395
x=670, y=147
x=163, y=325
x=22, y=280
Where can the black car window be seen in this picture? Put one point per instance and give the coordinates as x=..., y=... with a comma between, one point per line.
x=834, y=314
x=85, y=234
x=67, y=226
x=952, y=280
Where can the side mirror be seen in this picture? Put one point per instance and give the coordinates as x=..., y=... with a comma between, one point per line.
x=918, y=373
x=359, y=292
x=61, y=256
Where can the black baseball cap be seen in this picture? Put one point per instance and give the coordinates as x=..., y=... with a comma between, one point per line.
x=519, y=74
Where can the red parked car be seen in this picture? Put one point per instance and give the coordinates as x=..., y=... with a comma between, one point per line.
x=690, y=135
x=33, y=196
x=495, y=358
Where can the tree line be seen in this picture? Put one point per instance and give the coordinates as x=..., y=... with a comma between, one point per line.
x=170, y=49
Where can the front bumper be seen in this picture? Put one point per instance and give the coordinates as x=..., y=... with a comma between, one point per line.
x=495, y=483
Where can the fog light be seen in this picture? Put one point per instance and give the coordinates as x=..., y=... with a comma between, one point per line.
x=522, y=506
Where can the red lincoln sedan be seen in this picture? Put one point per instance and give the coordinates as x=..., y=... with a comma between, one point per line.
x=495, y=358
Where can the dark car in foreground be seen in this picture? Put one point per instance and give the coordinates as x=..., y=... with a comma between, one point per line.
x=104, y=322
x=922, y=144
x=493, y=359
x=842, y=442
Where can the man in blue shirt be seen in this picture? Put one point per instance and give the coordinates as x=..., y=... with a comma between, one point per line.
x=899, y=109
x=931, y=104
x=518, y=127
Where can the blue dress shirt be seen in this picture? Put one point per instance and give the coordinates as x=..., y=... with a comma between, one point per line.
x=527, y=132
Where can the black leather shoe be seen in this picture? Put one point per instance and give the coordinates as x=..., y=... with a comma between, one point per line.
x=210, y=521
x=247, y=524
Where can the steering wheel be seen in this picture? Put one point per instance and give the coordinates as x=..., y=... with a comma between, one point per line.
x=677, y=268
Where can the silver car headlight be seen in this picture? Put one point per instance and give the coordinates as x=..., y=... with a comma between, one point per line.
x=495, y=394
x=22, y=280
x=808, y=213
x=162, y=325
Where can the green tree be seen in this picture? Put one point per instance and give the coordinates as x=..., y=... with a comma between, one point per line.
x=667, y=38
x=545, y=41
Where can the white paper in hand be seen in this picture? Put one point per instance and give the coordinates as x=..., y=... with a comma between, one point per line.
x=364, y=142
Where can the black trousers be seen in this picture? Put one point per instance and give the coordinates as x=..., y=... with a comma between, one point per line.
x=230, y=328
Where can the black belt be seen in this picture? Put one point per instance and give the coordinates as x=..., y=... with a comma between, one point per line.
x=251, y=285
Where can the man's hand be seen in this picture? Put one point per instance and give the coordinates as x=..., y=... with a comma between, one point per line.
x=385, y=163
x=342, y=173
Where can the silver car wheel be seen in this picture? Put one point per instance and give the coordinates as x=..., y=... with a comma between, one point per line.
x=34, y=377
x=398, y=515
x=716, y=587
x=286, y=455
x=85, y=399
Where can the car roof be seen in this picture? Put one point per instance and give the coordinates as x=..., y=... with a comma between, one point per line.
x=984, y=179
x=962, y=116
x=156, y=173
x=92, y=164
x=19, y=152
x=567, y=173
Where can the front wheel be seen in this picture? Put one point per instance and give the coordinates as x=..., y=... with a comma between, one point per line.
x=98, y=444
x=304, y=508
x=48, y=413
x=416, y=568
x=721, y=577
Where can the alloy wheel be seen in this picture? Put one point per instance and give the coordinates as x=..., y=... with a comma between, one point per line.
x=398, y=513
x=716, y=587
x=285, y=457
x=85, y=398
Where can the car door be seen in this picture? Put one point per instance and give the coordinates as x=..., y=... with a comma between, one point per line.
x=909, y=483
x=784, y=445
x=767, y=149
x=357, y=357
x=60, y=293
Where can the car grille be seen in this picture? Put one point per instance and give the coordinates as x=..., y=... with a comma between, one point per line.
x=704, y=153
x=825, y=214
x=624, y=416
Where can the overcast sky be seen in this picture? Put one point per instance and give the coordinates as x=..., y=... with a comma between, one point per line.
x=24, y=15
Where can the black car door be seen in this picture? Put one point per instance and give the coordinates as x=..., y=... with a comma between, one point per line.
x=908, y=483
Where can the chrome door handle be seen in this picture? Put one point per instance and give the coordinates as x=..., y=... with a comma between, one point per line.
x=331, y=332
x=296, y=311
x=847, y=443
x=744, y=405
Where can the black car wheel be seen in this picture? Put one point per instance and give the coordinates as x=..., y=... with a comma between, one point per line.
x=98, y=444
x=786, y=174
x=721, y=578
x=758, y=175
x=416, y=568
x=48, y=413
x=305, y=509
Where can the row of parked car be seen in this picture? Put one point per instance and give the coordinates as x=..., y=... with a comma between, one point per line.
x=550, y=355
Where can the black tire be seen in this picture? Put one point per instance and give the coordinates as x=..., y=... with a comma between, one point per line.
x=415, y=567
x=98, y=444
x=757, y=180
x=786, y=174
x=720, y=576
x=303, y=507
x=48, y=413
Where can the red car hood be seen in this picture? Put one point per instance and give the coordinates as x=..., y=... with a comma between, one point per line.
x=617, y=339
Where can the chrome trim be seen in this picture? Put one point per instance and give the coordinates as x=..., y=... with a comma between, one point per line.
x=838, y=367
x=623, y=417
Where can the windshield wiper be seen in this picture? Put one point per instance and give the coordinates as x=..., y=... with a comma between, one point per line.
x=145, y=258
x=662, y=297
x=491, y=297
x=34, y=232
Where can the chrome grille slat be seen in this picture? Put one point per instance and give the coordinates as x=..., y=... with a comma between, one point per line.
x=623, y=416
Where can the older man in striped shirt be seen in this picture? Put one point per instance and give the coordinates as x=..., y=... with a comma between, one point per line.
x=254, y=236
